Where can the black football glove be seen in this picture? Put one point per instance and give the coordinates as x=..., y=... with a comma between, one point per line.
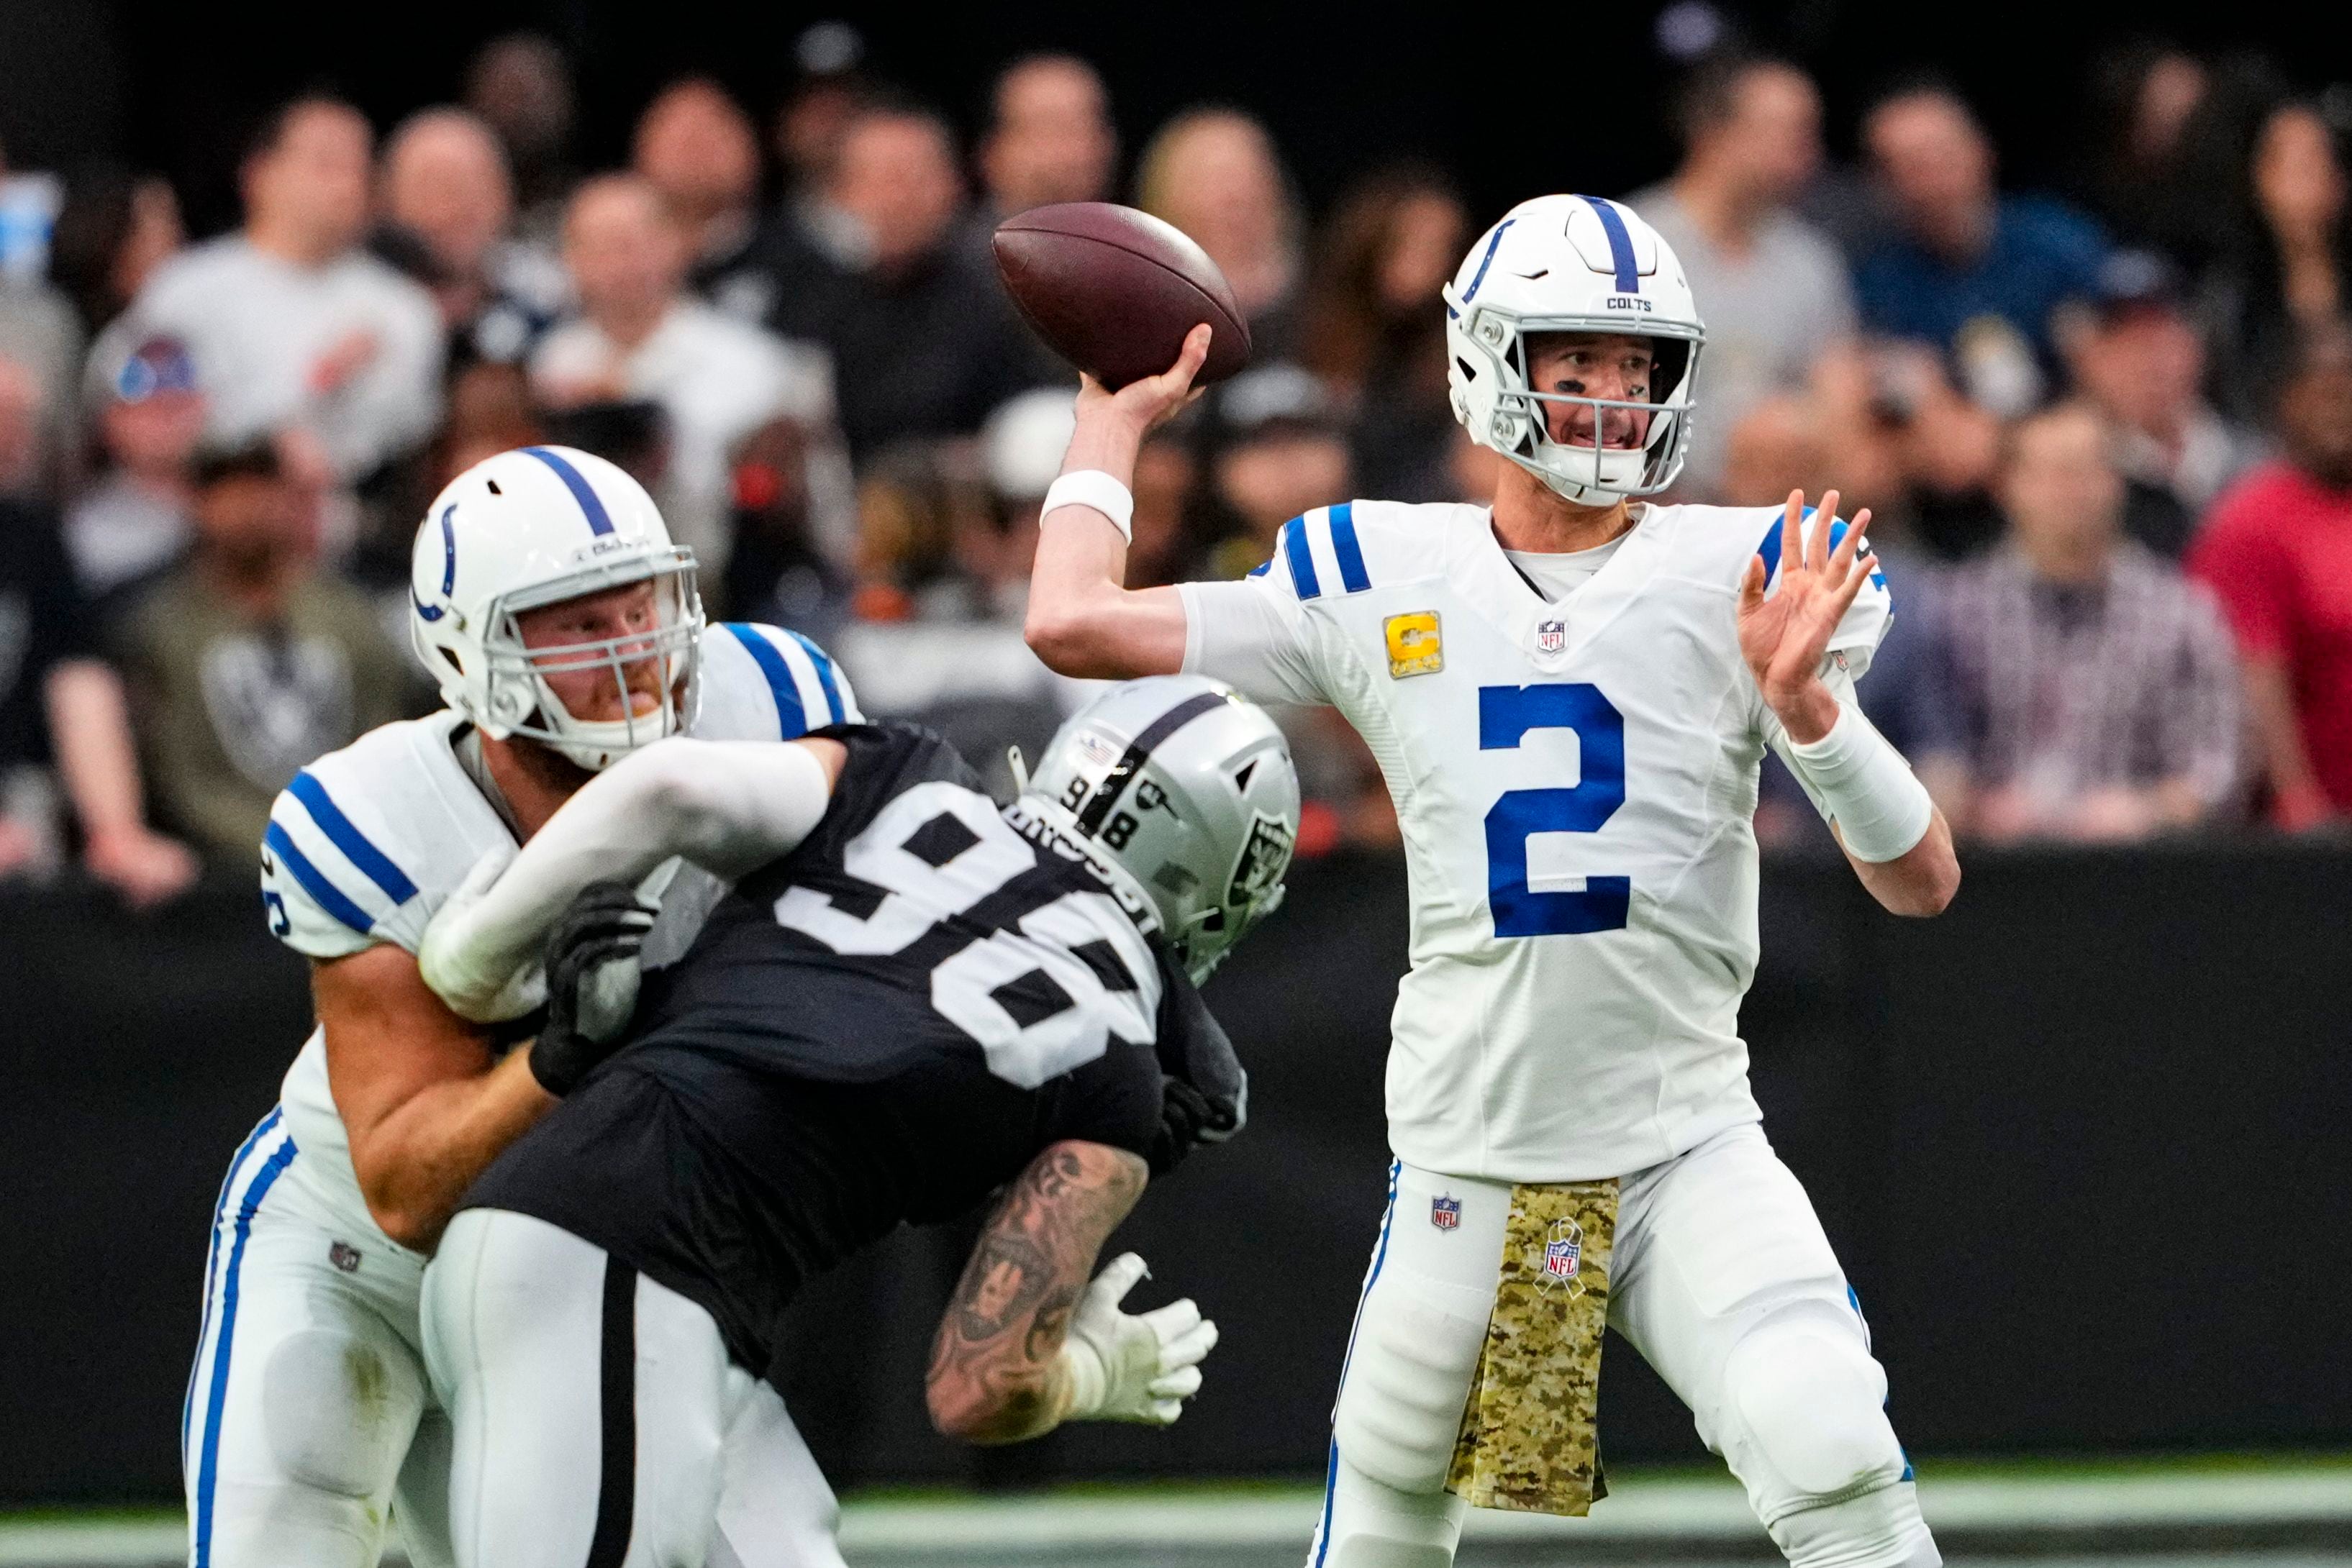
x=1204, y=1091
x=592, y=982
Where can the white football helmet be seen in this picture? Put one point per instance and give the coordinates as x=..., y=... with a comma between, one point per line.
x=1181, y=793
x=533, y=528
x=1571, y=264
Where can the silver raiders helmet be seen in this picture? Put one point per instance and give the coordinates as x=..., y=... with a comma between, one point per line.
x=1186, y=789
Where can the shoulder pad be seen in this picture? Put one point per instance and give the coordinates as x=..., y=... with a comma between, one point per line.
x=766, y=683
x=1355, y=546
x=345, y=842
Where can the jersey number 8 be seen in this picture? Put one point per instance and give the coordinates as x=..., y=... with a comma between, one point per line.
x=1505, y=714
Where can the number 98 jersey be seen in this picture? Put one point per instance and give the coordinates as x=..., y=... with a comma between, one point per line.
x=1575, y=779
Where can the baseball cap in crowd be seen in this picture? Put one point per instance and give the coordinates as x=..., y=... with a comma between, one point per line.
x=130, y=367
x=1272, y=400
x=1023, y=442
x=2132, y=281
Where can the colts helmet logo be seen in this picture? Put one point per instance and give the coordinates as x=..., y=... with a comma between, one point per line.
x=1552, y=636
x=1563, y=1251
x=1445, y=1213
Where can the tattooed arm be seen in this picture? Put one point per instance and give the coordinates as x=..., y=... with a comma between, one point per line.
x=1001, y=1372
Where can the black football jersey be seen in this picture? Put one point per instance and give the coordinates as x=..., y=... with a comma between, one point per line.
x=879, y=1028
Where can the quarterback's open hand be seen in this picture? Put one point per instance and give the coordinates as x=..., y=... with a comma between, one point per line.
x=1154, y=400
x=1133, y=1368
x=1785, y=637
x=592, y=982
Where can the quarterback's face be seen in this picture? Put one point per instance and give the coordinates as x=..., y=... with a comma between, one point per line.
x=583, y=681
x=1607, y=365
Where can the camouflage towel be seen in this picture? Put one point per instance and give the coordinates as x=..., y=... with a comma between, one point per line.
x=1527, y=1440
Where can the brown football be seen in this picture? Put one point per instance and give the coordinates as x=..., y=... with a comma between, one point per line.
x=1113, y=290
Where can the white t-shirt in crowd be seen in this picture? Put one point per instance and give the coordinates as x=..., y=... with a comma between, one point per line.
x=717, y=378
x=257, y=326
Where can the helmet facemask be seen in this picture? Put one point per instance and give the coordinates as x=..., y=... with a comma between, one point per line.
x=519, y=700
x=1587, y=472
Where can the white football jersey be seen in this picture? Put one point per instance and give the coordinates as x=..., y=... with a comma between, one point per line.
x=1575, y=782
x=368, y=841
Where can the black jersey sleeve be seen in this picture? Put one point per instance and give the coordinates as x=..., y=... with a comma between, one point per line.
x=1115, y=1099
x=1195, y=1052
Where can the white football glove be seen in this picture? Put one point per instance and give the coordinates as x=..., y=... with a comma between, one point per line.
x=461, y=968
x=1133, y=1368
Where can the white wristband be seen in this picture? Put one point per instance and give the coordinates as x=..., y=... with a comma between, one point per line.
x=1881, y=808
x=1093, y=488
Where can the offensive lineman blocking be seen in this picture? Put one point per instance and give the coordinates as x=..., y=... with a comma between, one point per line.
x=566, y=631
x=1569, y=694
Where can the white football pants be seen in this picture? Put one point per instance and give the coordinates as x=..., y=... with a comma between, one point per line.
x=309, y=1421
x=1721, y=1277
x=598, y=1421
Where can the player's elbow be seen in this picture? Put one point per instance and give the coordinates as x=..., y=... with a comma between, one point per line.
x=1925, y=888
x=1062, y=635
x=406, y=1223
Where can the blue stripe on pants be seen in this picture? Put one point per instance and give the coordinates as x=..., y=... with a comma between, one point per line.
x=208, y=1464
x=1371, y=1277
x=212, y=1266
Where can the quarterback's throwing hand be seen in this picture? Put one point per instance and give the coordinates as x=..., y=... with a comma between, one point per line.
x=1785, y=637
x=1133, y=1368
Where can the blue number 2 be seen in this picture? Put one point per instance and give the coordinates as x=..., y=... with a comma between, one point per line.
x=1505, y=714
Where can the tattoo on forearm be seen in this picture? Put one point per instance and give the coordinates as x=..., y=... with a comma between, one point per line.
x=1013, y=1304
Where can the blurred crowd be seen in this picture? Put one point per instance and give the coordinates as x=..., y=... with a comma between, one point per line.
x=2106, y=431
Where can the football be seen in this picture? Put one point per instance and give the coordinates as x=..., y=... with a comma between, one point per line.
x=1114, y=290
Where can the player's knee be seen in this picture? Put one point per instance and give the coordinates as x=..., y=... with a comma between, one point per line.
x=1408, y=1378
x=339, y=1407
x=1812, y=1403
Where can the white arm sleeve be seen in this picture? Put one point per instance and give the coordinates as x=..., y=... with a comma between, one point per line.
x=1880, y=810
x=726, y=806
x=1253, y=636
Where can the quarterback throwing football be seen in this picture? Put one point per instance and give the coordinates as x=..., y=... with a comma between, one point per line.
x=1569, y=694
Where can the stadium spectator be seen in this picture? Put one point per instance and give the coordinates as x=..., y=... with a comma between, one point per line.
x=2140, y=168
x=61, y=708
x=1050, y=137
x=924, y=342
x=640, y=338
x=828, y=91
x=2278, y=551
x=292, y=321
x=1773, y=288
x=2293, y=275
x=1215, y=173
x=20, y=430
x=246, y=661
x=2139, y=358
x=1279, y=452
x=150, y=414
x=521, y=85
x=41, y=337
x=447, y=205
x=1979, y=275
x=115, y=229
x=2094, y=683
x=696, y=146
x=1376, y=329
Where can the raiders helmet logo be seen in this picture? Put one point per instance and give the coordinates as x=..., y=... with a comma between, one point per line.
x=1263, y=859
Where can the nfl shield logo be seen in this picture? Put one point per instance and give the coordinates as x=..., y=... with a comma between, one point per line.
x=1564, y=1251
x=1445, y=1213
x=1552, y=636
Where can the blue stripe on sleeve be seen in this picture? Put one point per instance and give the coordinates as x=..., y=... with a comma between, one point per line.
x=591, y=504
x=792, y=718
x=824, y=663
x=372, y=862
x=1621, y=244
x=1302, y=563
x=208, y=1467
x=328, y=896
x=1352, y=575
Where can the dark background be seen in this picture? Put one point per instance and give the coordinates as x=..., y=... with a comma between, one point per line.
x=2079, y=1143
x=1510, y=98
